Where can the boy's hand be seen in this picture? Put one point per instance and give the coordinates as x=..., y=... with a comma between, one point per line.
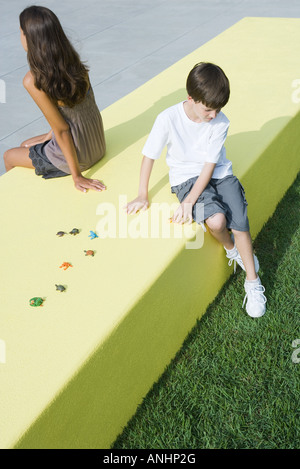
x=140, y=203
x=183, y=213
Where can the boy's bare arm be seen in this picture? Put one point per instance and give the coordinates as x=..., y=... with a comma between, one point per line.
x=142, y=202
x=201, y=183
x=184, y=211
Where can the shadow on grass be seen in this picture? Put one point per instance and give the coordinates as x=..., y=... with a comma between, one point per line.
x=275, y=237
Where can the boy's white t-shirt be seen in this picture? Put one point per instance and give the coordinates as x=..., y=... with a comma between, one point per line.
x=189, y=144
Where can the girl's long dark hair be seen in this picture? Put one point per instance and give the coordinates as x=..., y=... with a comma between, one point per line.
x=53, y=61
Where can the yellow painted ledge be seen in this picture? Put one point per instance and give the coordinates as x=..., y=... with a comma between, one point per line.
x=76, y=369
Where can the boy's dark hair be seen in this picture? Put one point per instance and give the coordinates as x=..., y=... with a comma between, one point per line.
x=208, y=84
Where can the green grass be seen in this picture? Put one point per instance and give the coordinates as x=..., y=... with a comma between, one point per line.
x=233, y=384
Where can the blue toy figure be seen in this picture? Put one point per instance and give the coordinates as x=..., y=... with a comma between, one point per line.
x=93, y=235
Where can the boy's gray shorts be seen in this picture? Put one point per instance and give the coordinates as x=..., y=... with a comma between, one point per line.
x=225, y=195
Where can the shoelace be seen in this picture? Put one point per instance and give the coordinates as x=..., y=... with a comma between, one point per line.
x=238, y=260
x=234, y=259
x=234, y=265
x=257, y=290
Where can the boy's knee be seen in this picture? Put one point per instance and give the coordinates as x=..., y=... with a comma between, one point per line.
x=216, y=222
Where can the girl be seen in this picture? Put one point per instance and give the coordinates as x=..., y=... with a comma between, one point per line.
x=59, y=84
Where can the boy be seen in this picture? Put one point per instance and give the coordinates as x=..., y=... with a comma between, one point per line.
x=194, y=132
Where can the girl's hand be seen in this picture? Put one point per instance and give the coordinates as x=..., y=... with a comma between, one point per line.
x=140, y=203
x=83, y=184
x=183, y=213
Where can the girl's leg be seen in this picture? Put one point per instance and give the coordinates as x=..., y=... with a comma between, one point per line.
x=17, y=157
x=217, y=227
x=243, y=244
x=35, y=140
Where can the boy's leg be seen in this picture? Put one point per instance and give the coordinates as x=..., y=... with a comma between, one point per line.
x=217, y=227
x=243, y=244
x=256, y=300
x=216, y=203
x=17, y=157
x=217, y=223
x=233, y=197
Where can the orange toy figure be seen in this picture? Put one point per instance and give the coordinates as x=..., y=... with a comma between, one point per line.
x=65, y=265
x=90, y=253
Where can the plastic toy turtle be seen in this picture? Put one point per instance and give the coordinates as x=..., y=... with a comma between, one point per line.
x=65, y=265
x=36, y=301
x=60, y=288
x=60, y=233
x=74, y=232
x=93, y=235
x=90, y=253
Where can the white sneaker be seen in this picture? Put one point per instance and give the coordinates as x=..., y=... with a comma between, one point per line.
x=234, y=256
x=256, y=300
